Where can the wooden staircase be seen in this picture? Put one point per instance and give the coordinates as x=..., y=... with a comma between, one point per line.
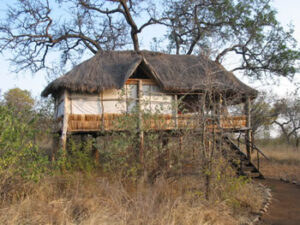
x=239, y=160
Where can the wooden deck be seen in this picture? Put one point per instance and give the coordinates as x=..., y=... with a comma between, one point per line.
x=119, y=122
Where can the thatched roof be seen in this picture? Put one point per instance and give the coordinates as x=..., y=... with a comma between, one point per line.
x=174, y=73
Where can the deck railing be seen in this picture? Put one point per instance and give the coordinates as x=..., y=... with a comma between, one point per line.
x=111, y=122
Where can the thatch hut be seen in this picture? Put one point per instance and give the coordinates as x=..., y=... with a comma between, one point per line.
x=114, y=83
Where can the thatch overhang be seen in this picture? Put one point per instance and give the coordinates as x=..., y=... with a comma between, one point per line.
x=174, y=73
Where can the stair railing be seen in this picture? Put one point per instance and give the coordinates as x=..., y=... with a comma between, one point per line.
x=254, y=147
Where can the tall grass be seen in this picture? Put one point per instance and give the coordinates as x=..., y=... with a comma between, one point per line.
x=80, y=199
x=170, y=187
x=284, y=160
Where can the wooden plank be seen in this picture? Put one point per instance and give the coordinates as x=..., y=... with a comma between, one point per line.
x=248, y=123
x=102, y=110
x=145, y=81
x=65, y=120
x=176, y=111
x=140, y=120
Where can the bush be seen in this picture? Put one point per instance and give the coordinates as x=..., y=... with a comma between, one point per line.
x=19, y=154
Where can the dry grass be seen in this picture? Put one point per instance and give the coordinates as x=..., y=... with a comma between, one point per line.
x=284, y=162
x=78, y=199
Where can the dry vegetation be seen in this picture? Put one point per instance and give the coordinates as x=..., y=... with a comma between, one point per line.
x=117, y=189
x=91, y=199
x=284, y=161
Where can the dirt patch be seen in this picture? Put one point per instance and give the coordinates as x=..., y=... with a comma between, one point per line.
x=285, y=206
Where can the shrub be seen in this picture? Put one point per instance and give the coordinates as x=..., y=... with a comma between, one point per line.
x=19, y=154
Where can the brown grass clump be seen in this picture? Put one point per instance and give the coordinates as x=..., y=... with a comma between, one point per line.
x=81, y=199
x=284, y=162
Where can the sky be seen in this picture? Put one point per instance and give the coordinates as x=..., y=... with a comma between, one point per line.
x=288, y=12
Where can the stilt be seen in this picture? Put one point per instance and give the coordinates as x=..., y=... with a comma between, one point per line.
x=95, y=151
x=165, y=141
x=64, y=141
x=248, y=131
x=55, y=146
x=140, y=122
x=141, y=153
x=252, y=141
x=65, y=121
x=180, y=143
x=219, y=125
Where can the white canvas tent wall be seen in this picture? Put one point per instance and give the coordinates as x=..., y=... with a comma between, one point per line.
x=153, y=100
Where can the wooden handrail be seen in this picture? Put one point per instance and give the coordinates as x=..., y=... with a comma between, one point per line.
x=257, y=149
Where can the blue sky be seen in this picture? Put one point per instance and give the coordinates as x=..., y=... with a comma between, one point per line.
x=288, y=12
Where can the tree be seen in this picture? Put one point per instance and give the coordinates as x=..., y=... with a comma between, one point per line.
x=34, y=29
x=18, y=100
x=246, y=28
x=288, y=118
x=262, y=113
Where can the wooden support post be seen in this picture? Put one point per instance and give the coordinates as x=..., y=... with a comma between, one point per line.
x=203, y=121
x=176, y=111
x=219, y=121
x=140, y=121
x=83, y=141
x=141, y=146
x=252, y=141
x=55, y=145
x=257, y=160
x=181, y=143
x=165, y=142
x=214, y=119
x=248, y=132
x=95, y=150
x=102, y=111
x=218, y=110
x=65, y=121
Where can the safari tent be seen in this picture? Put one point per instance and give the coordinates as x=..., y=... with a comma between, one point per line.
x=114, y=84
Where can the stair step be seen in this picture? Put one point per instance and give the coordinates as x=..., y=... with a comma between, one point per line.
x=249, y=168
x=236, y=153
x=259, y=176
x=246, y=163
x=240, y=161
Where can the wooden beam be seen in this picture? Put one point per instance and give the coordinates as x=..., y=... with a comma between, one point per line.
x=219, y=121
x=95, y=150
x=139, y=94
x=248, y=124
x=165, y=141
x=145, y=81
x=65, y=120
x=176, y=111
x=140, y=120
x=102, y=110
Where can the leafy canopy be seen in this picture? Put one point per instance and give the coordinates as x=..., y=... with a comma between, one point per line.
x=34, y=31
x=18, y=99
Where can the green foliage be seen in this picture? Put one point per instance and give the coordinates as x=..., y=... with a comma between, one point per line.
x=262, y=113
x=32, y=30
x=79, y=156
x=19, y=154
x=119, y=154
x=246, y=28
x=19, y=100
x=230, y=186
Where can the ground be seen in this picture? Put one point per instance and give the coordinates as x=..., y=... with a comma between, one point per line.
x=285, y=206
x=284, y=164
